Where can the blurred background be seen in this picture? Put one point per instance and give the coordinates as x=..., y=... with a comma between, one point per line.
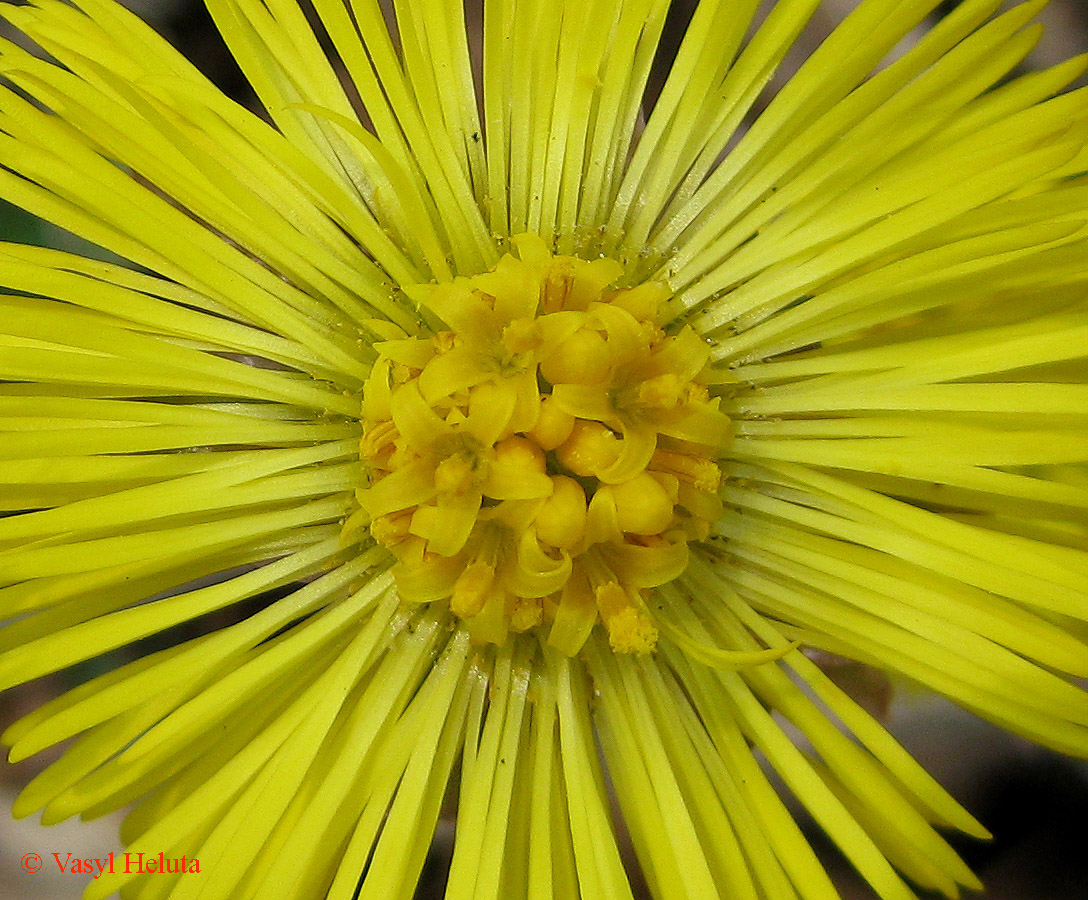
x=1034, y=802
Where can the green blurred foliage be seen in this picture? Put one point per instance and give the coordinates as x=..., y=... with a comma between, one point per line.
x=21, y=227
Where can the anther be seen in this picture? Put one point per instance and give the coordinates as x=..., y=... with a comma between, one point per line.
x=378, y=440
x=629, y=628
x=522, y=336
x=556, y=288
x=445, y=341
x=390, y=530
x=664, y=391
x=700, y=472
x=528, y=612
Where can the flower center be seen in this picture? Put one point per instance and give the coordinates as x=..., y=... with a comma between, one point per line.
x=547, y=459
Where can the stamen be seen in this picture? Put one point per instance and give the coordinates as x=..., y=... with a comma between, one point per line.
x=629, y=628
x=472, y=589
x=665, y=391
x=522, y=336
x=528, y=612
x=445, y=341
x=703, y=473
x=378, y=441
x=392, y=529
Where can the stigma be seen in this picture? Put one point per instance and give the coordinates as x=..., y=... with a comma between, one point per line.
x=546, y=458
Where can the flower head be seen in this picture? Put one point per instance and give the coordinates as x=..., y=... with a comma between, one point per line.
x=554, y=437
x=547, y=459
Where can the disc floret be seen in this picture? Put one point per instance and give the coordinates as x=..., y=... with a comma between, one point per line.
x=547, y=458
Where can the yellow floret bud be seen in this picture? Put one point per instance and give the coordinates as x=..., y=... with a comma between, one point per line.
x=590, y=448
x=583, y=358
x=553, y=425
x=670, y=484
x=471, y=590
x=520, y=452
x=561, y=521
x=642, y=505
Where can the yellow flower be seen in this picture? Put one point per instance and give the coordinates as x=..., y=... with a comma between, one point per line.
x=550, y=438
